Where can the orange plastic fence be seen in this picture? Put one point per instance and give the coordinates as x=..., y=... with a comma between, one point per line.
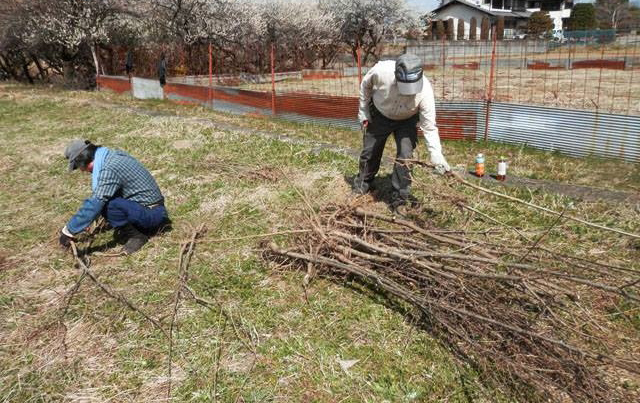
x=543, y=66
x=453, y=124
x=597, y=64
x=117, y=84
x=320, y=74
x=324, y=106
x=198, y=93
x=467, y=66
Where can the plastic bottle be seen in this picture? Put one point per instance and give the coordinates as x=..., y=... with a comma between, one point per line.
x=480, y=165
x=502, y=169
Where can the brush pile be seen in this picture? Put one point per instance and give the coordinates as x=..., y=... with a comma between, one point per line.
x=533, y=322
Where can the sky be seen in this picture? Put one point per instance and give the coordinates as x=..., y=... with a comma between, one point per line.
x=423, y=5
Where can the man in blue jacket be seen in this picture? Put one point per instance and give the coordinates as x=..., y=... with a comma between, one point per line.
x=123, y=191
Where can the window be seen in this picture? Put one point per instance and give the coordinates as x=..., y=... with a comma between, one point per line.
x=551, y=5
x=519, y=5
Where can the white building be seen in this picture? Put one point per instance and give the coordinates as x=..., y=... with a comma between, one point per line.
x=516, y=13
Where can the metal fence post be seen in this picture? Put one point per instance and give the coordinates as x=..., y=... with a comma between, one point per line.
x=635, y=47
x=210, y=75
x=97, y=62
x=359, y=62
x=490, y=89
x=600, y=78
x=273, y=81
x=443, y=67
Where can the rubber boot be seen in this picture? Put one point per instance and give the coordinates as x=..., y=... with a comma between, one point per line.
x=135, y=239
x=400, y=204
x=360, y=187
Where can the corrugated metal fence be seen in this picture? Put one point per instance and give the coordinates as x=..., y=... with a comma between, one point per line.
x=573, y=132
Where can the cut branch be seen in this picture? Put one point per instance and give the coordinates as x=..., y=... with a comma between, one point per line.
x=113, y=294
x=546, y=210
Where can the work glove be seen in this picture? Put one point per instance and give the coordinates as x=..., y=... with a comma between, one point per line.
x=441, y=165
x=66, y=237
x=363, y=127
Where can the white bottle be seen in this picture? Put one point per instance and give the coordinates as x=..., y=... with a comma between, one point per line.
x=502, y=169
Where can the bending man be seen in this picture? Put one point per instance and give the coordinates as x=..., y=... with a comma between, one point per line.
x=124, y=192
x=396, y=98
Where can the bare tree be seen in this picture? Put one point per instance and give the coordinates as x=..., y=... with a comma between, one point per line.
x=42, y=36
x=14, y=53
x=236, y=29
x=365, y=23
x=426, y=23
x=243, y=32
x=612, y=13
x=539, y=23
x=303, y=32
x=70, y=28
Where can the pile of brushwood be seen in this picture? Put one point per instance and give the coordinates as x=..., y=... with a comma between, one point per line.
x=533, y=322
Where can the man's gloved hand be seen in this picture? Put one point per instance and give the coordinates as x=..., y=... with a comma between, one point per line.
x=363, y=127
x=440, y=169
x=441, y=165
x=66, y=237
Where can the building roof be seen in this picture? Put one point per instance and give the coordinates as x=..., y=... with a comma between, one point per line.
x=513, y=14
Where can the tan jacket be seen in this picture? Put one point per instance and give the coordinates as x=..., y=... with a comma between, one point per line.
x=379, y=84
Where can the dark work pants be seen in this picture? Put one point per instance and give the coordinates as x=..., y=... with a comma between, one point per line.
x=120, y=212
x=378, y=130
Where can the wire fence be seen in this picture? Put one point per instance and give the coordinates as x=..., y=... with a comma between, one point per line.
x=579, y=98
x=580, y=72
x=597, y=77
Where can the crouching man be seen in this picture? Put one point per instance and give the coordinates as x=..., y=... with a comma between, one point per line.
x=124, y=192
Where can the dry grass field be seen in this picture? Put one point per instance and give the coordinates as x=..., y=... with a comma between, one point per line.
x=265, y=333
